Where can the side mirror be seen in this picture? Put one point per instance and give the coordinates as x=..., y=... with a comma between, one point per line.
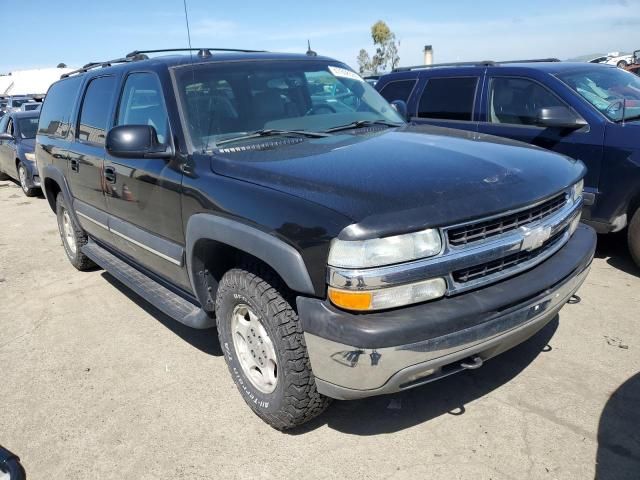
x=559, y=117
x=136, y=141
x=400, y=106
x=5, y=137
x=10, y=467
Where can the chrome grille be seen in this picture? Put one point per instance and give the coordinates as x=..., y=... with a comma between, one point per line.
x=506, y=263
x=483, y=229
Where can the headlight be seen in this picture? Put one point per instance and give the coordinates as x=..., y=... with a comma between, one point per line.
x=384, y=251
x=576, y=190
x=391, y=297
x=30, y=156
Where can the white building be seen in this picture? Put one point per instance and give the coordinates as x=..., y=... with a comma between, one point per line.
x=34, y=82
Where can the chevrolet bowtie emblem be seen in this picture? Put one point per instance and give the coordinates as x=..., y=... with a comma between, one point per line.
x=534, y=238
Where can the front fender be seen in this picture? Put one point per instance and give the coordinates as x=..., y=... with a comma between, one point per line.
x=280, y=256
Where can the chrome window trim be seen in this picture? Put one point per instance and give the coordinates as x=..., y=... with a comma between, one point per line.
x=452, y=259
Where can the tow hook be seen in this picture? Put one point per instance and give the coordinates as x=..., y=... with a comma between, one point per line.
x=472, y=363
x=574, y=299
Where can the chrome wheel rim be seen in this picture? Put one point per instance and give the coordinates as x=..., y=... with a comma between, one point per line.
x=254, y=348
x=22, y=174
x=67, y=232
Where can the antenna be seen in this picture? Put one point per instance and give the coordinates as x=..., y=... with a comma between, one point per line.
x=193, y=72
x=310, y=52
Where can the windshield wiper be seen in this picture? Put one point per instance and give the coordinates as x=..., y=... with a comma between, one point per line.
x=271, y=132
x=363, y=123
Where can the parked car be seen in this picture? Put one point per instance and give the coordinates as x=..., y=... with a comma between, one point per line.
x=30, y=106
x=14, y=102
x=17, y=158
x=588, y=112
x=340, y=254
x=635, y=66
x=601, y=59
x=619, y=60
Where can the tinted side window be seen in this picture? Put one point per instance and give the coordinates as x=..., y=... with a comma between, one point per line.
x=56, y=110
x=94, y=115
x=398, y=90
x=518, y=100
x=142, y=104
x=448, y=98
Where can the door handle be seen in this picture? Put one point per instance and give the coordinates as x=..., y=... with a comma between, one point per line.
x=75, y=164
x=110, y=174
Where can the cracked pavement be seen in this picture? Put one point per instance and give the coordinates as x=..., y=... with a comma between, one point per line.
x=98, y=384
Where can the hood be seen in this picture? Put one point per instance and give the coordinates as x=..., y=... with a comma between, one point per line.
x=400, y=180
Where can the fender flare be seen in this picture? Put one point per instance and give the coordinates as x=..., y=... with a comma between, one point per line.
x=280, y=256
x=54, y=173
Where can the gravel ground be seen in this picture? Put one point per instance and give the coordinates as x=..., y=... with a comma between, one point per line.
x=99, y=385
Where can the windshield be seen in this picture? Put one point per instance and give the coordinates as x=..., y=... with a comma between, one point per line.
x=611, y=90
x=226, y=100
x=27, y=127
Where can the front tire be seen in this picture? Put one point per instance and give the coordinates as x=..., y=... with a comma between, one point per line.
x=622, y=64
x=633, y=237
x=265, y=350
x=73, y=237
x=23, y=176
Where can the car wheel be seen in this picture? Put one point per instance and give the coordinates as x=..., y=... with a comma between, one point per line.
x=23, y=178
x=265, y=350
x=622, y=64
x=73, y=237
x=633, y=237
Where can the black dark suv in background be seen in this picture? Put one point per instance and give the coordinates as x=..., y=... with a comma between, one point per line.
x=587, y=111
x=340, y=252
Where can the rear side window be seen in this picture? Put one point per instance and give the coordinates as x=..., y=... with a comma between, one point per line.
x=517, y=101
x=398, y=90
x=448, y=98
x=56, y=111
x=96, y=106
x=142, y=104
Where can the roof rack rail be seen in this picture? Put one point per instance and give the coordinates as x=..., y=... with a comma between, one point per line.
x=203, y=52
x=137, y=55
x=531, y=60
x=482, y=63
x=107, y=63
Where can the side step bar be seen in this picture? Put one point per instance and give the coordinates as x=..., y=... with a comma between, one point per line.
x=157, y=295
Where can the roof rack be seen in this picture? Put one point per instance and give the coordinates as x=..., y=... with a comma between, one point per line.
x=202, y=52
x=137, y=55
x=481, y=63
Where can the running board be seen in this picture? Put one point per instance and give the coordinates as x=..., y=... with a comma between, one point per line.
x=156, y=294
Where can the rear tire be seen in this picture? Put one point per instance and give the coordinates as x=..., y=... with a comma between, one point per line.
x=265, y=350
x=22, y=178
x=633, y=237
x=73, y=237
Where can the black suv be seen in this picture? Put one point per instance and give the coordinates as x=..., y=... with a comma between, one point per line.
x=587, y=111
x=340, y=252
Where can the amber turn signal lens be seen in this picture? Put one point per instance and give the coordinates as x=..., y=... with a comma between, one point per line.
x=350, y=300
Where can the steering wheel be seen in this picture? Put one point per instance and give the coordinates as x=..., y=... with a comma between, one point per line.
x=319, y=108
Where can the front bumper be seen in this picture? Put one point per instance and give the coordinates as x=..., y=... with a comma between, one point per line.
x=360, y=355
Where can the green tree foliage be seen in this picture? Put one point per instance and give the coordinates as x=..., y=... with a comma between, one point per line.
x=386, y=55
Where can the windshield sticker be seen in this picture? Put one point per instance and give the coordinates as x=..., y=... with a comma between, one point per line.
x=343, y=72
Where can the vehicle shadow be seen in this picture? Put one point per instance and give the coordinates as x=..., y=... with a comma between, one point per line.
x=618, y=454
x=613, y=248
x=204, y=340
x=451, y=395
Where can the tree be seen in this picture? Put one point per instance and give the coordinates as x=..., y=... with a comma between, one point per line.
x=386, y=50
x=62, y=65
x=364, y=62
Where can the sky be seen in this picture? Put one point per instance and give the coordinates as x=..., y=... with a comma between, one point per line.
x=45, y=33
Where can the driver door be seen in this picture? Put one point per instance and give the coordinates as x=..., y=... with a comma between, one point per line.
x=6, y=147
